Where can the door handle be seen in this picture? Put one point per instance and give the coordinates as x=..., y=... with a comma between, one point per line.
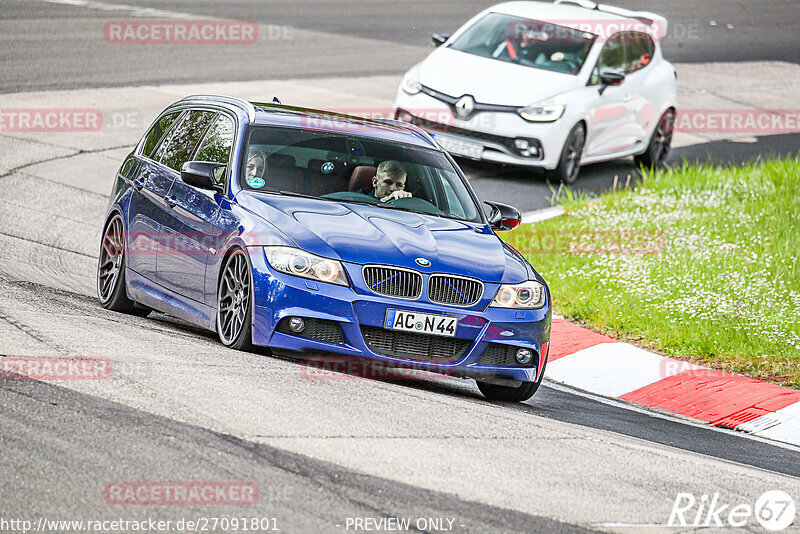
x=171, y=201
x=627, y=98
x=138, y=184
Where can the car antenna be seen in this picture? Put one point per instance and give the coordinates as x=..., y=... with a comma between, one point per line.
x=275, y=100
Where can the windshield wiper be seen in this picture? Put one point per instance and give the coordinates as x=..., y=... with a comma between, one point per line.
x=301, y=195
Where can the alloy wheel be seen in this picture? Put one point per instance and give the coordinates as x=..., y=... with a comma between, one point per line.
x=234, y=298
x=111, y=259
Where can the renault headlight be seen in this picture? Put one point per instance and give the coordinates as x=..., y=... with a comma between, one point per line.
x=298, y=262
x=410, y=85
x=549, y=110
x=529, y=295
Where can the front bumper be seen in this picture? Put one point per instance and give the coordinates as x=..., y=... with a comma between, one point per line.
x=495, y=131
x=485, y=339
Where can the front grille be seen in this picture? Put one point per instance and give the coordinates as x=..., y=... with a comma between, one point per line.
x=478, y=106
x=316, y=329
x=499, y=355
x=393, y=281
x=418, y=347
x=454, y=290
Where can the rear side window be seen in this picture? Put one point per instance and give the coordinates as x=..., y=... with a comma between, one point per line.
x=157, y=132
x=184, y=138
x=640, y=48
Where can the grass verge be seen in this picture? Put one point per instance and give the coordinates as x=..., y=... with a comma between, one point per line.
x=700, y=263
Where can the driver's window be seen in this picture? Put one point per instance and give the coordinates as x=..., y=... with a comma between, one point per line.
x=612, y=58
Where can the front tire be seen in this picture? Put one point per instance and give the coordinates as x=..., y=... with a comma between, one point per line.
x=569, y=164
x=660, y=143
x=111, y=271
x=235, y=303
x=511, y=394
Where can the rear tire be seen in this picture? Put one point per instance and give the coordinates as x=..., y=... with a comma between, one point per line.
x=569, y=164
x=235, y=303
x=660, y=143
x=111, y=287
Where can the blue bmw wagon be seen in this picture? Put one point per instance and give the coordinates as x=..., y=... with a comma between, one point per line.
x=315, y=232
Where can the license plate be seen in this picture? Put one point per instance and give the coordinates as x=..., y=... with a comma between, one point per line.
x=421, y=323
x=459, y=147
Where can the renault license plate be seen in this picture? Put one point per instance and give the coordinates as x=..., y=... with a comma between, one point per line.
x=460, y=147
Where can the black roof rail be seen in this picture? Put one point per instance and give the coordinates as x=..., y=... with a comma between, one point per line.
x=239, y=102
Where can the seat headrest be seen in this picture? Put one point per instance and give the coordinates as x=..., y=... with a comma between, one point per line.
x=362, y=178
x=280, y=161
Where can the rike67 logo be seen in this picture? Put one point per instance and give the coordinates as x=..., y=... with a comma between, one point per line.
x=774, y=510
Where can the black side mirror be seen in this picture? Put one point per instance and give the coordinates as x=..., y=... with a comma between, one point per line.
x=202, y=174
x=609, y=78
x=439, y=38
x=503, y=217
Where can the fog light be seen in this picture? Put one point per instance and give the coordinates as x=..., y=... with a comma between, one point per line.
x=525, y=148
x=297, y=325
x=524, y=356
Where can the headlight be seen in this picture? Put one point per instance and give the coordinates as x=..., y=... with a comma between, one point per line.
x=549, y=110
x=410, y=85
x=530, y=295
x=298, y=262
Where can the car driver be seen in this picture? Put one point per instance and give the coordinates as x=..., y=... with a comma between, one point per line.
x=389, y=181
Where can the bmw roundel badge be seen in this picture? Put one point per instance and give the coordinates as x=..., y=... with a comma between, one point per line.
x=422, y=262
x=327, y=167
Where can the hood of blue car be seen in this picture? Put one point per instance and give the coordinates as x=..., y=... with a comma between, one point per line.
x=369, y=234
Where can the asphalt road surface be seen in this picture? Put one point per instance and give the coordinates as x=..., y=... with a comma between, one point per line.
x=322, y=450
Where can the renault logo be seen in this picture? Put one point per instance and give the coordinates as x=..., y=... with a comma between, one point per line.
x=422, y=262
x=464, y=107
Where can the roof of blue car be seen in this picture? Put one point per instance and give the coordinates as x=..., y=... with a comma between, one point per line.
x=297, y=117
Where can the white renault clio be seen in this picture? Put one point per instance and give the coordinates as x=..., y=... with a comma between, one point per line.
x=548, y=85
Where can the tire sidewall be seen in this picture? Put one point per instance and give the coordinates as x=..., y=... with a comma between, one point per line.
x=114, y=299
x=244, y=339
x=561, y=170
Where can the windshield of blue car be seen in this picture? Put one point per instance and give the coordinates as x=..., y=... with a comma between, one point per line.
x=542, y=45
x=345, y=168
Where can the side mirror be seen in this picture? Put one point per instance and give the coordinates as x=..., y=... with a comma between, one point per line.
x=609, y=78
x=503, y=217
x=202, y=174
x=439, y=38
